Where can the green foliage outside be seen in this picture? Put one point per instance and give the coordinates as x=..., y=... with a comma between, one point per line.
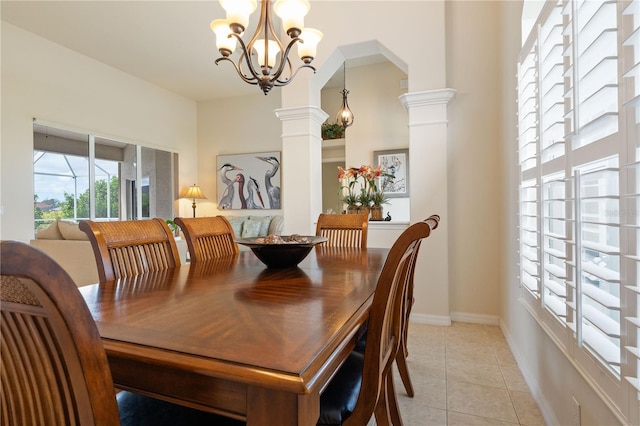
x=64, y=209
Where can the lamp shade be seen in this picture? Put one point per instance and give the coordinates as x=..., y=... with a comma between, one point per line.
x=272, y=52
x=307, y=49
x=194, y=192
x=225, y=44
x=238, y=11
x=292, y=13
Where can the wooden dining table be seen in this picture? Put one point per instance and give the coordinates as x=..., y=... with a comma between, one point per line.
x=231, y=336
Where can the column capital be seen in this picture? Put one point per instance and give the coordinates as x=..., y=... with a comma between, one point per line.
x=426, y=98
x=302, y=113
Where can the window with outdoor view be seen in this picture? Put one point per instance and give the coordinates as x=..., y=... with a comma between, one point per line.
x=79, y=176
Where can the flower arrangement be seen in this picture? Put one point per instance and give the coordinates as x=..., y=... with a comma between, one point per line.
x=366, y=193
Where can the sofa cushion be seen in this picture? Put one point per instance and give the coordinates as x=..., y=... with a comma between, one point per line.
x=236, y=224
x=276, y=225
x=264, y=221
x=71, y=231
x=51, y=232
x=251, y=228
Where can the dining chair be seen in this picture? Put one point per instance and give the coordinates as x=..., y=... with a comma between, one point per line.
x=54, y=367
x=207, y=237
x=131, y=247
x=363, y=386
x=343, y=230
x=403, y=353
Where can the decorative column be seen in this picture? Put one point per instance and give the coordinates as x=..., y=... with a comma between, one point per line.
x=301, y=167
x=428, y=178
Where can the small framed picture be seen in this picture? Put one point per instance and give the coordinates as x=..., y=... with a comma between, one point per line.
x=395, y=163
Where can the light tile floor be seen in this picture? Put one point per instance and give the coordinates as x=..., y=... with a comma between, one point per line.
x=464, y=375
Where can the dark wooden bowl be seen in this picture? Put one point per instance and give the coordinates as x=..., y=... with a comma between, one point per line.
x=286, y=255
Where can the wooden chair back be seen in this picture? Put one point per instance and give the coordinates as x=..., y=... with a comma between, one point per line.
x=208, y=237
x=54, y=367
x=131, y=247
x=386, y=324
x=401, y=357
x=343, y=230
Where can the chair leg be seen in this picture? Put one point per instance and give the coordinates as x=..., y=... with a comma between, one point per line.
x=387, y=412
x=403, y=369
x=382, y=414
x=393, y=402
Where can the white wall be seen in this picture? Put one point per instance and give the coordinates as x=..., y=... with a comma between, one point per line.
x=474, y=158
x=60, y=87
x=239, y=125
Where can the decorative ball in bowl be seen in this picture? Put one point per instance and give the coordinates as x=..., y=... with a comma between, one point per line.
x=281, y=251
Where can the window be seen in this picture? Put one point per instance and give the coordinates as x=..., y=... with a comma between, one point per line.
x=79, y=176
x=579, y=157
x=61, y=187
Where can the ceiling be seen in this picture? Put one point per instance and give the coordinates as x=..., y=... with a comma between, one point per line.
x=167, y=43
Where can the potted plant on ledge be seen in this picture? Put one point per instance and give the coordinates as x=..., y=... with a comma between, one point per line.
x=348, y=178
x=377, y=199
x=175, y=229
x=332, y=130
x=366, y=198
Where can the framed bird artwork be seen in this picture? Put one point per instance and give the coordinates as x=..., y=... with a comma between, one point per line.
x=248, y=181
x=395, y=167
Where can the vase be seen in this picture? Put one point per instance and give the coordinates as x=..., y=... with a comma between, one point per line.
x=364, y=210
x=352, y=209
x=376, y=212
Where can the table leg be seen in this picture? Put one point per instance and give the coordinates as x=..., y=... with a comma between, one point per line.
x=270, y=407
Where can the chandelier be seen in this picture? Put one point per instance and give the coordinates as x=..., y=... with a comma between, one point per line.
x=271, y=57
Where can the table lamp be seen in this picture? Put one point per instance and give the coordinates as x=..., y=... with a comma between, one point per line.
x=195, y=193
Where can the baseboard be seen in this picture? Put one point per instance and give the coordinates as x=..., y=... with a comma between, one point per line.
x=455, y=316
x=475, y=318
x=430, y=319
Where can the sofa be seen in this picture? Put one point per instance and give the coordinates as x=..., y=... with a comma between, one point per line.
x=65, y=243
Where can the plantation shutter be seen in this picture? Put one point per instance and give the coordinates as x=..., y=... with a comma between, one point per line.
x=579, y=206
x=591, y=30
x=631, y=100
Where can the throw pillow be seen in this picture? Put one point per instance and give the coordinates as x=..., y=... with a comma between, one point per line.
x=251, y=228
x=264, y=224
x=51, y=232
x=276, y=225
x=236, y=224
x=71, y=231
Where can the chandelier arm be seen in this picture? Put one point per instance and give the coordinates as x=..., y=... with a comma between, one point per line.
x=280, y=83
x=285, y=60
x=261, y=22
x=269, y=30
x=264, y=10
x=245, y=57
x=252, y=80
